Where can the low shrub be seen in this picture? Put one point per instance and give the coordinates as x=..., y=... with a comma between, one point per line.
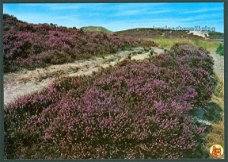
x=220, y=50
x=136, y=111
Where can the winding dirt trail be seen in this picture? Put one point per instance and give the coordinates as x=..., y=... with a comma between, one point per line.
x=29, y=81
x=218, y=64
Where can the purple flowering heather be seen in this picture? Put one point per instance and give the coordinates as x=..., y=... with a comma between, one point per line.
x=25, y=44
x=136, y=111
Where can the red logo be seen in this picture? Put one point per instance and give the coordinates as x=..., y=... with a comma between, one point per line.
x=216, y=151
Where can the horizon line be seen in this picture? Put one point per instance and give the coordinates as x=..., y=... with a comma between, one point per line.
x=154, y=27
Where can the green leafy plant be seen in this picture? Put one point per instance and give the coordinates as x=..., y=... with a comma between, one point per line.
x=220, y=50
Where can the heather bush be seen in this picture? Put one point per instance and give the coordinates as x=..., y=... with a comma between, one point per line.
x=30, y=45
x=137, y=111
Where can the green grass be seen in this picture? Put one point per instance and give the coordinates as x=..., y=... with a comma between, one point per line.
x=168, y=43
x=96, y=28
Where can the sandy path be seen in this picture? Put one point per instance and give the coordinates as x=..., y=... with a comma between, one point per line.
x=218, y=65
x=29, y=81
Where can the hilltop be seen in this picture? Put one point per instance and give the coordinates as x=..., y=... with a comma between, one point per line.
x=96, y=28
x=156, y=33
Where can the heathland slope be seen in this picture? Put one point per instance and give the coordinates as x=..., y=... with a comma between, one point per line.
x=131, y=110
x=38, y=45
x=136, y=110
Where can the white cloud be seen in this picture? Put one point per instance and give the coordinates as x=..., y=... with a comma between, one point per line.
x=203, y=10
x=127, y=13
x=159, y=11
x=63, y=7
x=140, y=11
x=73, y=6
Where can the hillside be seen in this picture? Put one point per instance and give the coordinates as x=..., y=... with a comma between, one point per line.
x=216, y=35
x=29, y=45
x=139, y=110
x=157, y=33
x=96, y=28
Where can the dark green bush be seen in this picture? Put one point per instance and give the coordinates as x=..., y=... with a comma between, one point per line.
x=220, y=50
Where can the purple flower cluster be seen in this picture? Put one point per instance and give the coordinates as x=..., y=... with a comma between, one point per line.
x=29, y=45
x=136, y=111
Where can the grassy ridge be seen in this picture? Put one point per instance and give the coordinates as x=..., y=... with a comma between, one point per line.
x=96, y=28
x=168, y=43
x=156, y=33
x=165, y=33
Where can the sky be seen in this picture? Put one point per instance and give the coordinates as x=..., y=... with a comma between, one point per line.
x=122, y=16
